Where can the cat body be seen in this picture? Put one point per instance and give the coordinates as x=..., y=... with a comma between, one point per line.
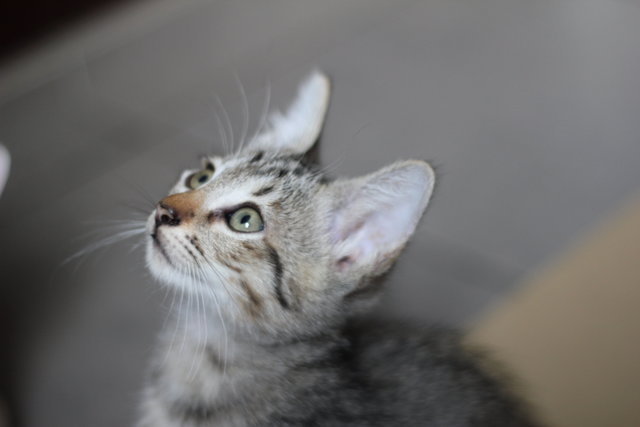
x=359, y=376
x=275, y=267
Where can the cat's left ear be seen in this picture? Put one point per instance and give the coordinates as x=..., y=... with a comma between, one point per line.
x=299, y=128
x=374, y=217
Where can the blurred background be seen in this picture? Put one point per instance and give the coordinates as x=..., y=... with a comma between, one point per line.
x=529, y=109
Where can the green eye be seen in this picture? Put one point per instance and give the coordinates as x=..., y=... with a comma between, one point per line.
x=199, y=178
x=245, y=220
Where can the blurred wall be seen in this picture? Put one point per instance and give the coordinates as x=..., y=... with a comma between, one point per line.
x=529, y=110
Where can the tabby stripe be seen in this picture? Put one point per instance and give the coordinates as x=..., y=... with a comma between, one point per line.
x=214, y=358
x=228, y=264
x=277, y=276
x=263, y=191
x=254, y=299
x=189, y=251
x=248, y=246
x=257, y=157
x=194, y=242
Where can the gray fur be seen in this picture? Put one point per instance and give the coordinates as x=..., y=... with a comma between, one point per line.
x=268, y=327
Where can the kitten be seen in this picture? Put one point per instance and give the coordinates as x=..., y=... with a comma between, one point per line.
x=274, y=265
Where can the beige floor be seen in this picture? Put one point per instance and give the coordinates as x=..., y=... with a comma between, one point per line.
x=572, y=333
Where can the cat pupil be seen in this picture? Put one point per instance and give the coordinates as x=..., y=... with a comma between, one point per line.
x=245, y=220
x=202, y=179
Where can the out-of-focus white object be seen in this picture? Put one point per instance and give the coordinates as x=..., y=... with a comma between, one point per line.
x=5, y=162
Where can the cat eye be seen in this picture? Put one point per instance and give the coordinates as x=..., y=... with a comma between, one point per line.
x=199, y=178
x=245, y=220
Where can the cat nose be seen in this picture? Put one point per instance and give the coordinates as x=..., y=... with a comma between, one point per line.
x=178, y=208
x=166, y=215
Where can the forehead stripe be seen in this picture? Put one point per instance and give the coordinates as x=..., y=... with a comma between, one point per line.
x=263, y=191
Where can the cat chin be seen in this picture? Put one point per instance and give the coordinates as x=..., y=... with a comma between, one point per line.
x=162, y=270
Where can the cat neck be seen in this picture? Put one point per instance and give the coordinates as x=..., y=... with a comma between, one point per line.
x=207, y=329
x=232, y=367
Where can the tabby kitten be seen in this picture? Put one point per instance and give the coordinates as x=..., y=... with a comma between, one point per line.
x=274, y=265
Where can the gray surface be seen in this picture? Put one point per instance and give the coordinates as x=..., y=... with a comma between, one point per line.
x=530, y=110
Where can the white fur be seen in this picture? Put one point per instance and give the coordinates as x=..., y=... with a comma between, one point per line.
x=378, y=213
x=298, y=129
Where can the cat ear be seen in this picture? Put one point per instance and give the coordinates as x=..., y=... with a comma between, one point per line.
x=298, y=129
x=375, y=216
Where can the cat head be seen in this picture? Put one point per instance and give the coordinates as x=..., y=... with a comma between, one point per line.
x=275, y=244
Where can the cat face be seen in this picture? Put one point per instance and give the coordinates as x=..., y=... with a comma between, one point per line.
x=278, y=247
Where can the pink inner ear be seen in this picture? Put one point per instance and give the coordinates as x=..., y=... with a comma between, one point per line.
x=382, y=216
x=384, y=230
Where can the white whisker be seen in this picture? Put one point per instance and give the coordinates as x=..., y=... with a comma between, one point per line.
x=170, y=310
x=245, y=113
x=212, y=293
x=223, y=135
x=107, y=241
x=203, y=283
x=328, y=168
x=225, y=116
x=198, y=326
x=189, y=311
x=265, y=112
x=178, y=320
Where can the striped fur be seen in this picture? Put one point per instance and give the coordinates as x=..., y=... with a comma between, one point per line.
x=264, y=331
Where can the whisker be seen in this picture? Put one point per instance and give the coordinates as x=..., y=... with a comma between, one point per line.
x=225, y=116
x=215, y=271
x=265, y=112
x=186, y=315
x=212, y=293
x=245, y=113
x=331, y=167
x=179, y=318
x=201, y=349
x=145, y=211
x=107, y=241
x=191, y=274
x=116, y=221
x=109, y=230
x=223, y=135
x=189, y=310
x=135, y=246
x=224, y=329
x=170, y=310
x=205, y=336
x=145, y=194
